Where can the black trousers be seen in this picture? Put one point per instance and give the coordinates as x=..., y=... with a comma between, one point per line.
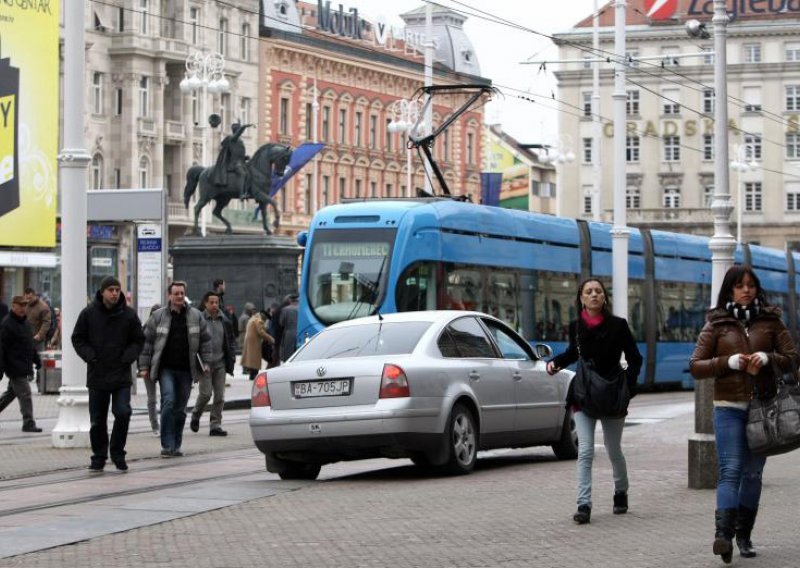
x=120, y=402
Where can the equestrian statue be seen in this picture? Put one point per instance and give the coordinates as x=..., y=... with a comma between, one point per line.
x=234, y=175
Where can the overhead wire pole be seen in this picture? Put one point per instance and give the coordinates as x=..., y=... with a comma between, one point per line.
x=428, y=82
x=620, y=234
x=597, y=131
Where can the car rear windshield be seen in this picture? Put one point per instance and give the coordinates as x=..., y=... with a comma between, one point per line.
x=364, y=340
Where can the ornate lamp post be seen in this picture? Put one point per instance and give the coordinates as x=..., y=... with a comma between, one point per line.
x=405, y=114
x=204, y=74
x=740, y=165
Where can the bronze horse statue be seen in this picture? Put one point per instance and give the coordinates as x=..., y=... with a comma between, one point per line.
x=269, y=160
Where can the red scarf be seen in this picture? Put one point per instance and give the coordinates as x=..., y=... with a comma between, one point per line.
x=591, y=321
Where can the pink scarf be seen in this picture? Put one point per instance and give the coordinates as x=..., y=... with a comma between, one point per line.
x=591, y=321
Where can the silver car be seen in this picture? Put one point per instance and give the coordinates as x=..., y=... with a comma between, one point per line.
x=433, y=386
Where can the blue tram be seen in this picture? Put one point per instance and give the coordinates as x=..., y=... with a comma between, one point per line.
x=440, y=253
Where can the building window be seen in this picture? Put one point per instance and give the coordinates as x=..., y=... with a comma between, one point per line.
x=633, y=198
x=97, y=171
x=97, y=93
x=587, y=63
x=793, y=146
x=222, y=37
x=672, y=148
x=671, y=98
x=309, y=121
x=358, y=188
x=342, y=188
x=632, y=55
x=195, y=108
x=283, y=124
x=470, y=148
x=308, y=192
x=587, y=150
x=119, y=20
x=669, y=56
x=587, y=200
x=793, y=196
x=708, y=195
x=244, y=42
x=388, y=139
x=326, y=192
x=244, y=110
x=708, y=101
x=587, y=104
x=793, y=97
x=752, y=147
x=547, y=189
x=118, y=102
x=194, y=25
x=708, y=55
x=389, y=190
x=117, y=178
x=792, y=52
x=373, y=131
x=225, y=108
x=144, y=97
x=752, y=53
x=373, y=189
x=326, y=123
x=144, y=172
x=632, y=103
x=144, y=17
x=446, y=146
x=672, y=198
x=752, y=99
x=357, y=128
x=752, y=196
x=632, y=148
x=708, y=146
x=342, y=126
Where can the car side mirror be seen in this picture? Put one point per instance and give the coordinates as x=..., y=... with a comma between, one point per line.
x=543, y=351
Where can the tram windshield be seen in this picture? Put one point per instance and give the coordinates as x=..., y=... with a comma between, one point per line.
x=347, y=272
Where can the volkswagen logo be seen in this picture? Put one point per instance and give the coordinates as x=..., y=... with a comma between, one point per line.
x=321, y=371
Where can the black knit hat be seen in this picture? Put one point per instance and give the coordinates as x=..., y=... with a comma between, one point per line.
x=109, y=281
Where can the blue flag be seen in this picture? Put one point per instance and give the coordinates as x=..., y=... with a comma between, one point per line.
x=300, y=157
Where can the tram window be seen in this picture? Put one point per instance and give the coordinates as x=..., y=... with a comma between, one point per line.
x=501, y=301
x=681, y=309
x=413, y=287
x=460, y=288
x=636, y=308
x=548, y=304
x=781, y=301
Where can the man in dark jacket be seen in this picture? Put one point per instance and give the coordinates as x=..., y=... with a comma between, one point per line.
x=223, y=356
x=108, y=336
x=17, y=359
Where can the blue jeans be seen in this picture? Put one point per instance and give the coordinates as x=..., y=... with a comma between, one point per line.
x=740, y=471
x=175, y=389
x=612, y=438
x=99, y=401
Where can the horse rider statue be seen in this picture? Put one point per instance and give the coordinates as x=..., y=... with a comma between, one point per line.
x=230, y=170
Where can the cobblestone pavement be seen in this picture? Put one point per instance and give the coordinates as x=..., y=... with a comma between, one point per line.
x=513, y=511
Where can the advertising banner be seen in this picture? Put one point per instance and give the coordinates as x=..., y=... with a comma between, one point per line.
x=149, y=273
x=28, y=122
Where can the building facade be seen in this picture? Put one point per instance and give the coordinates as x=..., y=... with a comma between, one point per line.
x=670, y=111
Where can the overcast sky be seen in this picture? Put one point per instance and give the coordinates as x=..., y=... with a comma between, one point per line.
x=501, y=48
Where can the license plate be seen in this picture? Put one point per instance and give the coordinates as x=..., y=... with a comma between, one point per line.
x=308, y=389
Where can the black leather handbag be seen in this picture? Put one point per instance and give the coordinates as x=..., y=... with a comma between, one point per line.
x=773, y=424
x=599, y=396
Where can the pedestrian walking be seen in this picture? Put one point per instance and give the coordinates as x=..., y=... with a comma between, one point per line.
x=18, y=357
x=742, y=338
x=177, y=346
x=287, y=322
x=223, y=356
x=150, y=386
x=255, y=333
x=247, y=312
x=108, y=336
x=54, y=343
x=601, y=338
x=39, y=318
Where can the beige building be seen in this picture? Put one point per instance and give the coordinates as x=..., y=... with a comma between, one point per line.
x=670, y=109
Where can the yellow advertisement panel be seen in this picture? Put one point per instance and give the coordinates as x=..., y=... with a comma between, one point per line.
x=28, y=122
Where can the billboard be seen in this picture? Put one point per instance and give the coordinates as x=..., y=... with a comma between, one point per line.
x=28, y=123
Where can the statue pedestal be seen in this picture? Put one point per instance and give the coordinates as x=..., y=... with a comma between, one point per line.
x=256, y=268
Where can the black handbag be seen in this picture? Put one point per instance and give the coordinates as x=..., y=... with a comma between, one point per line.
x=599, y=396
x=773, y=424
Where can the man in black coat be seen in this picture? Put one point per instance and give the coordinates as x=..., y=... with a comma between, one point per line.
x=108, y=336
x=18, y=356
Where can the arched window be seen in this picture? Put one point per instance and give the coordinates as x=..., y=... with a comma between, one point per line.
x=144, y=172
x=97, y=171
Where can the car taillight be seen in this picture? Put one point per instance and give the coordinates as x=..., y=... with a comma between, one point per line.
x=260, y=393
x=394, y=383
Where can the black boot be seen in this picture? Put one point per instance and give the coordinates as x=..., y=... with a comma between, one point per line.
x=725, y=522
x=620, y=502
x=583, y=515
x=745, y=519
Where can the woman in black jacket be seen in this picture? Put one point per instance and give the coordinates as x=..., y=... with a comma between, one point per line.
x=601, y=338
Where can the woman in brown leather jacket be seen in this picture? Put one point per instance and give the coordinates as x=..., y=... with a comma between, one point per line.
x=742, y=337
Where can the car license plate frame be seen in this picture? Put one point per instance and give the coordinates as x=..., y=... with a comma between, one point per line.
x=327, y=387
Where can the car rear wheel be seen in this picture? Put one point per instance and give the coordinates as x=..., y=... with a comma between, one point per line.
x=567, y=446
x=462, y=441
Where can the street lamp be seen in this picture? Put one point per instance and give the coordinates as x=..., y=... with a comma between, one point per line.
x=740, y=165
x=405, y=114
x=558, y=155
x=204, y=73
